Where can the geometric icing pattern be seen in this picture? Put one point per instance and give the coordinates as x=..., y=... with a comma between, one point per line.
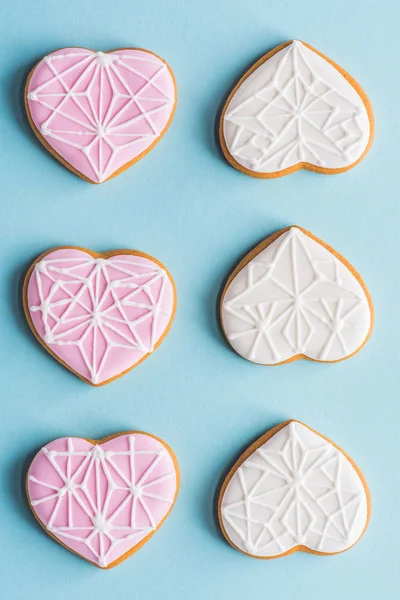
x=102, y=501
x=295, y=298
x=296, y=491
x=296, y=109
x=100, y=111
x=100, y=316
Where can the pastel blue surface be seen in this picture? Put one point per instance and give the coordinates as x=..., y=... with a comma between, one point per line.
x=186, y=206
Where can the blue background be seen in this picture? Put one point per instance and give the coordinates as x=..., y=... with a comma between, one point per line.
x=185, y=205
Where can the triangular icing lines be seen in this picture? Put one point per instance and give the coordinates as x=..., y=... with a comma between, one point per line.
x=115, y=492
x=88, y=303
x=296, y=116
x=294, y=495
x=285, y=301
x=104, y=128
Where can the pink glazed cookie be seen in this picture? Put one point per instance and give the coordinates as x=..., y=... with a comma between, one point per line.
x=99, y=315
x=103, y=499
x=99, y=113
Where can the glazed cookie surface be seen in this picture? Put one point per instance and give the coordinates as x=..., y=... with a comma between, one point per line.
x=99, y=113
x=100, y=315
x=293, y=297
x=295, y=109
x=103, y=499
x=293, y=490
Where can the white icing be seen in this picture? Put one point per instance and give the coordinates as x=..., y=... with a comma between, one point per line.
x=295, y=107
x=296, y=489
x=90, y=501
x=295, y=297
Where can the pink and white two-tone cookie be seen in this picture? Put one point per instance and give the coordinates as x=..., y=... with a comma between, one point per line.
x=99, y=315
x=100, y=112
x=103, y=499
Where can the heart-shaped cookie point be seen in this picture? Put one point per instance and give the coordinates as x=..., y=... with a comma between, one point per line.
x=100, y=315
x=99, y=113
x=103, y=499
x=293, y=490
x=293, y=297
x=295, y=109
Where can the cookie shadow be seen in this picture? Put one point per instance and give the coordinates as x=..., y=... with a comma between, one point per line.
x=214, y=135
x=15, y=95
x=15, y=86
x=16, y=475
x=16, y=286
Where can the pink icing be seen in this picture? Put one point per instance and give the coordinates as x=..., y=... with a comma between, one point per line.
x=100, y=111
x=102, y=500
x=100, y=316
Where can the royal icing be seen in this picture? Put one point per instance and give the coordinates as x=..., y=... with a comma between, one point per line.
x=101, y=501
x=294, y=108
x=296, y=489
x=100, y=111
x=295, y=298
x=99, y=316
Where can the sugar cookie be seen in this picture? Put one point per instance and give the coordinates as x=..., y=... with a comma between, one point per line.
x=100, y=315
x=293, y=490
x=99, y=113
x=293, y=297
x=103, y=499
x=295, y=109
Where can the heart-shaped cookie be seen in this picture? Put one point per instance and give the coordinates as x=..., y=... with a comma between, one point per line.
x=293, y=490
x=293, y=297
x=99, y=113
x=100, y=315
x=103, y=499
x=296, y=109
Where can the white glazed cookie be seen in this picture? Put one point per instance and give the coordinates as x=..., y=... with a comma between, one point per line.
x=295, y=297
x=296, y=109
x=293, y=490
